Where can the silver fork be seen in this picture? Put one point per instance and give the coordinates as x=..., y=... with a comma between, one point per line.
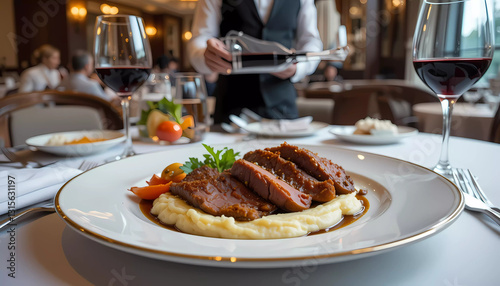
x=473, y=187
x=249, y=113
x=45, y=206
x=471, y=203
x=13, y=157
x=87, y=165
x=479, y=193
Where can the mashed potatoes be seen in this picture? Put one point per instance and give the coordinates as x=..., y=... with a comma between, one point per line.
x=173, y=210
x=57, y=140
x=375, y=126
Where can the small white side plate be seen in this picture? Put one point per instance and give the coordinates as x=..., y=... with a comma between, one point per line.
x=112, y=138
x=346, y=133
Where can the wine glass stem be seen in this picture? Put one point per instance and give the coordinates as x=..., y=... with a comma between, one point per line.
x=443, y=166
x=125, y=103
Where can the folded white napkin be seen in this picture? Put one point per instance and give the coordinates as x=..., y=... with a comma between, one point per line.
x=287, y=125
x=24, y=187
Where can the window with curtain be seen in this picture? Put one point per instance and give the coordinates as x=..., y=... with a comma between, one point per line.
x=494, y=69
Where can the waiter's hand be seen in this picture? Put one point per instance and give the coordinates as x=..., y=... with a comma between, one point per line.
x=288, y=73
x=217, y=58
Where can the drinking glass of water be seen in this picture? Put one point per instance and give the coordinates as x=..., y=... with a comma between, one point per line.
x=191, y=92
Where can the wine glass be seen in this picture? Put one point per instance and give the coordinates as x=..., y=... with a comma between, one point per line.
x=122, y=61
x=452, y=49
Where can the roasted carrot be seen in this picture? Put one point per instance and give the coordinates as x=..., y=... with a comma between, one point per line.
x=156, y=180
x=151, y=192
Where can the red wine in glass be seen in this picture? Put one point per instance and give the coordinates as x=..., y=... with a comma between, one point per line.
x=123, y=79
x=450, y=78
x=123, y=61
x=452, y=48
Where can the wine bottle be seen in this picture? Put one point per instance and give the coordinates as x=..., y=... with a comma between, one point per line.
x=275, y=62
x=251, y=55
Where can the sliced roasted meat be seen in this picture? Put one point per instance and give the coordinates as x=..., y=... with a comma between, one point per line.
x=202, y=173
x=270, y=187
x=221, y=194
x=318, y=167
x=320, y=191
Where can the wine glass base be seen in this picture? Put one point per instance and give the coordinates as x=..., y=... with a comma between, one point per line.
x=120, y=157
x=129, y=152
x=444, y=170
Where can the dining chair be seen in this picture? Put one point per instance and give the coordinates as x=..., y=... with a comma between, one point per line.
x=495, y=127
x=349, y=106
x=384, y=99
x=23, y=113
x=319, y=108
x=395, y=102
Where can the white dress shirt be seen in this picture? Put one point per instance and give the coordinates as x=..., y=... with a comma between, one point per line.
x=207, y=18
x=81, y=83
x=38, y=78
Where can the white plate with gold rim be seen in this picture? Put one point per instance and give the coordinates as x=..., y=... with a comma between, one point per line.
x=345, y=133
x=111, y=138
x=407, y=203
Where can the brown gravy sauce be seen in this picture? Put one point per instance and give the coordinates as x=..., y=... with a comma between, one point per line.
x=347, y=219
x=147, y=205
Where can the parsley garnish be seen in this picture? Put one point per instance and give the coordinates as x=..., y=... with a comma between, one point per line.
x=213, y=160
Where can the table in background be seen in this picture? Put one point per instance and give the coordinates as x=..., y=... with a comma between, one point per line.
x=469, y=120
x=8, y=83
x=3, y=90
x=466, y=253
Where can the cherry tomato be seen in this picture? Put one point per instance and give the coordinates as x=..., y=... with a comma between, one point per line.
x=169, y=131
x=173, y=173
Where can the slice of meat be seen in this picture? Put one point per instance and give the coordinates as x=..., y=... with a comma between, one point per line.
x=320, y=191
x=318, y=167
x=270, y=187
x=221, y=194
x=202, y=173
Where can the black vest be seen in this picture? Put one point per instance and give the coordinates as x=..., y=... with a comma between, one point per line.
x=267, y=95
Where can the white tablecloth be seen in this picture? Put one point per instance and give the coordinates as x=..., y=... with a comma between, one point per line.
x=468, y=120
x=47, y=252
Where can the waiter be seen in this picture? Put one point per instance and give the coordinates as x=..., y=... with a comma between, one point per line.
x=291, y=23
